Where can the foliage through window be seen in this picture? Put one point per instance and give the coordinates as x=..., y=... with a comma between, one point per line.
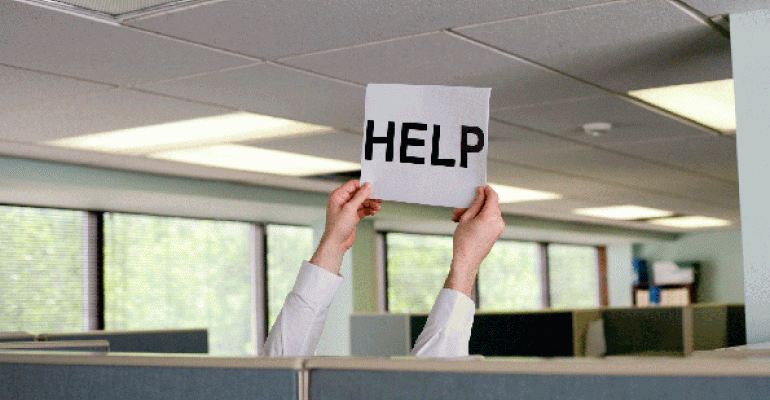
x=510, y=278
x=41, y=270
x=171, y=273
x=287, y=247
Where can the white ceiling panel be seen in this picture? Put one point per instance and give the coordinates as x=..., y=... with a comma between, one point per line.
x=335, y=145
x=45, y=40
x=277, y=28
x=23, y=87
x=116, y=7
x=630, y=123
x=444, y=59
x=622, y=45
x=104, y=112
x=716, y=7
x=506, y=142
x=712, y=155
x=271, y=89
x=624, y=170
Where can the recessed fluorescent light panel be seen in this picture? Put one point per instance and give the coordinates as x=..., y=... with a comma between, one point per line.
x=627, y=212
x=710, y=103
x=692, y=222
x=511, y=194
x=235, y=127
x=254, y=159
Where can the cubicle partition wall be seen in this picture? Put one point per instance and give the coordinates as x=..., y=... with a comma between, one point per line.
x=45, y=375
x=614, y=378
x=16, y=337
x=161, y=341
x=94, y=346
x=670, y=331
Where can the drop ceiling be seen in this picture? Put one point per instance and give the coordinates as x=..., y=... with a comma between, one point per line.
x=75, y=67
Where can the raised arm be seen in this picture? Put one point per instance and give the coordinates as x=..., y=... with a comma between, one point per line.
x=448, y=329
x=298, y=327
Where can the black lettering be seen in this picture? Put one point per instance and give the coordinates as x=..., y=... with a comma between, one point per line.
x=434, y=156
x=465, y=148
x=406, y=141
x=371, y=140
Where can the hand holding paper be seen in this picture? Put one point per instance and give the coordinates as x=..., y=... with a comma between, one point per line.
x=478, y=228
x=347, y=206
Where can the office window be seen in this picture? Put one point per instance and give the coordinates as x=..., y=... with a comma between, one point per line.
x=171, y=273
x=509, y=278
x=41, y=270
x=573, y=276
x=287, y=247
x=417, y=266
x=512, y=277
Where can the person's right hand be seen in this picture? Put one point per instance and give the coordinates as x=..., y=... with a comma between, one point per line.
x=478, y=228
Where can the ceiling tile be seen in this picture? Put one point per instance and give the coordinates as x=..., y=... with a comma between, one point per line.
x=104, y=112
x=716, y=7
x=45, y=40
x=630, y=123
x=616, y=168
x=278, y=28
x=622, y=46
x=116, y=7
x=334, y=145
x=712, y=155
x=506, y=142
x=443, y=59
x=271, y=89
x=22, y=87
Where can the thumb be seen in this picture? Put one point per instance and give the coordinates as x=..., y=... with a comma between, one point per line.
x=475, y=207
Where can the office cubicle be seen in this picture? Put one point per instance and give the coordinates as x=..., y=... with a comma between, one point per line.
x=16, y=337
x=159, y=341
x=668, y=331
x=97, y=346
x=542, y=379
x=46, y=375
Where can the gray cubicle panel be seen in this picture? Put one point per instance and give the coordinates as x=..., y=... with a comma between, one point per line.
x=94, y=346
x=379, y=335
x=45, y=375
x=543, y=379
x=16, y=337
x=644, y=330
x=161, y=341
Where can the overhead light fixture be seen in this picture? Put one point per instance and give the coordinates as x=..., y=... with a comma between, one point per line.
x=709, y=103
x=626, y=212
x=596, y=129
x=691, y=222
x=234, y=127
x=247, y=158
x=512, y=194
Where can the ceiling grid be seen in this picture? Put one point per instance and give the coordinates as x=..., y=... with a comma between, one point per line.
x=552, y=68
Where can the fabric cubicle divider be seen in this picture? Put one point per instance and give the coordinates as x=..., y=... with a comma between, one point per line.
x=44, y=375
x=621, y=378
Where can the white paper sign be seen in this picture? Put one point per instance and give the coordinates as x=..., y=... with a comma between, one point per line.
x=425, y=144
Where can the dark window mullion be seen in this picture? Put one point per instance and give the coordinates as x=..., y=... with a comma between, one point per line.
x=545, y=281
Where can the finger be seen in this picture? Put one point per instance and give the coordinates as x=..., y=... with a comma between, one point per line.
x=491, y=201
x=362, y=195
x=475, y=207
x=458, y=212
x=345, y=192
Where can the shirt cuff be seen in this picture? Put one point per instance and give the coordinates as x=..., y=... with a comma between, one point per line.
x=454, y=310
x=316, y=285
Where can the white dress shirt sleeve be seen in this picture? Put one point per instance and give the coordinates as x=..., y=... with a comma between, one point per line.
x=299, y=325
x=448, y=329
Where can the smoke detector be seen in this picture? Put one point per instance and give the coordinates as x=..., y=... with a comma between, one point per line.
x=596, y=129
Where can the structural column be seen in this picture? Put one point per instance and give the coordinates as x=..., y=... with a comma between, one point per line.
x=751, y=70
